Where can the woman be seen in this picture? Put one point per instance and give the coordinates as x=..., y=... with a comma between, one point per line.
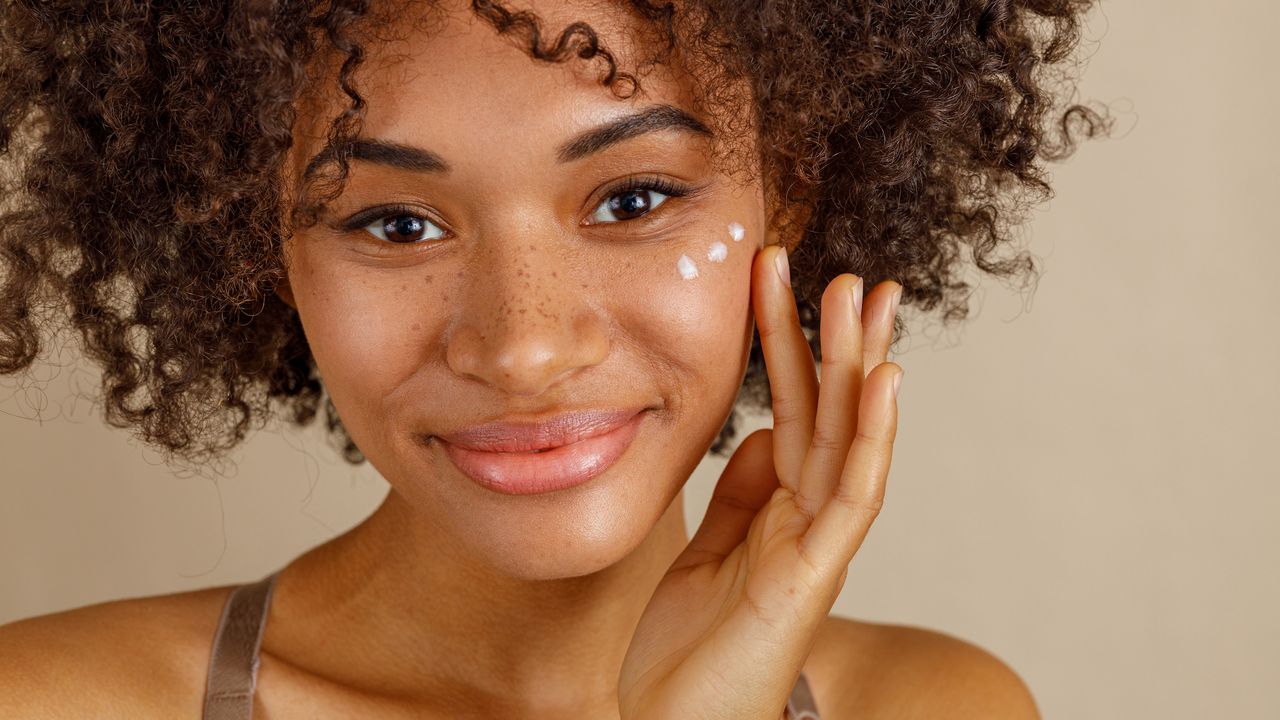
x=526, y=291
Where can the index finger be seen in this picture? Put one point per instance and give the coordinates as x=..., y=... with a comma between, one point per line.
x=793, y=377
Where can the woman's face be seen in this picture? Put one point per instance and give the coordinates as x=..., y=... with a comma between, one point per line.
x=506, y=272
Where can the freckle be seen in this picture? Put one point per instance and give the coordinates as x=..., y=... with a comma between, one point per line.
x=524, y=310
x=417, y=326
x=687, y=269
x=553, y=274
x=737, y=232
x=718, y=252
x=426, y=280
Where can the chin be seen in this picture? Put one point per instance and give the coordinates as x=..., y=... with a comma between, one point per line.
x=565, y=534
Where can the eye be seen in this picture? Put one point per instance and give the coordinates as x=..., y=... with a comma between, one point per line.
x=394, y=224
x=635, y=199
x=404, y=228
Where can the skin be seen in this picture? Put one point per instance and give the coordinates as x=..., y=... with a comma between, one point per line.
x=455, y=601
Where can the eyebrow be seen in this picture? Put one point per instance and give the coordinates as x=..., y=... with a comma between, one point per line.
x=654, y=119
x=409, y=157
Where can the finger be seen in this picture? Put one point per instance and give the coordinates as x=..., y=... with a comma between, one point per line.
x=842, y=523
x=745, y=486
x=793, y=381
x=837, y=415
x=878, y=313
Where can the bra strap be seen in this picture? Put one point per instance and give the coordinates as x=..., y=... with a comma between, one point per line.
x=233, y=664
x=801, y=705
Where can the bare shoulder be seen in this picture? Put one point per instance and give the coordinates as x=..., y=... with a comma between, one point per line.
x=137, y=658
x=875, y=670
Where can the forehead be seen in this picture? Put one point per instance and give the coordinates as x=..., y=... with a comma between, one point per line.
x=444, y=74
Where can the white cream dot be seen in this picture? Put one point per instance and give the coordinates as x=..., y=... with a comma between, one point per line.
x=737, y=232
x=718, y=252
x=687, y=269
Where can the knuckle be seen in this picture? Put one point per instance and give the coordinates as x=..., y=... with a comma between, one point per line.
x=767, y=330
x=879, y=438
x=786, y=410
x=827, y=440
x=861, y=504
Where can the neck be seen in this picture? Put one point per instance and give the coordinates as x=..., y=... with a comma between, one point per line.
x=439, y=629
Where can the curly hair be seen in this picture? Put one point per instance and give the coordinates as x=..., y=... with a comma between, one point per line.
x=142, y=145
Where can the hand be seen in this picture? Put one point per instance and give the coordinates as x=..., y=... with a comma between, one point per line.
x=728, y=628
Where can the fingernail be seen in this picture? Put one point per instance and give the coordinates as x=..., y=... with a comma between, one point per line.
x=897, y=382
x=893, y=306
x=857, y=299
x=784, y=269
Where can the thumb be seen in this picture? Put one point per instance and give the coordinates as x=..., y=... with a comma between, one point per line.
x=745, y=486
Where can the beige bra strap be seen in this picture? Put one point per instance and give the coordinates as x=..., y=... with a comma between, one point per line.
x=801, y=706
x=233, y=664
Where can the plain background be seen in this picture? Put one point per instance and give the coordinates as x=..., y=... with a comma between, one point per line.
x=1085, y=477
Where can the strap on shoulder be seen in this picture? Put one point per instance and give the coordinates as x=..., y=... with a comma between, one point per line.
x=233, y=663
x=801, y=705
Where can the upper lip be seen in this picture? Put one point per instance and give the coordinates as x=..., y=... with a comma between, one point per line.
x=549, y=432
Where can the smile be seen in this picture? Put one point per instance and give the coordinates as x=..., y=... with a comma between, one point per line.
x=546, y=469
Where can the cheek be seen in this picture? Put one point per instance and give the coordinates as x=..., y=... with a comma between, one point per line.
x=690, y=302
x=356, y=326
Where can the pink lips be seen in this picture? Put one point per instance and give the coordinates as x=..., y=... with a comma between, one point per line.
x=554, y=454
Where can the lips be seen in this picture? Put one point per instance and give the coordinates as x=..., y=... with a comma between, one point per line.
x=544, y=434
x=543, y=456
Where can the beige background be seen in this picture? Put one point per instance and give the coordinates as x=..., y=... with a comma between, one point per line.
x=1085, y=479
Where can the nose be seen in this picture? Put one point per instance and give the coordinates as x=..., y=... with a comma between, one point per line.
x=525, y=320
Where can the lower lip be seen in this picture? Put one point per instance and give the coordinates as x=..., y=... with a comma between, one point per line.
x=528, y=473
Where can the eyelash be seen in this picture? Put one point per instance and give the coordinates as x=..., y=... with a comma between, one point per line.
x=664, y=186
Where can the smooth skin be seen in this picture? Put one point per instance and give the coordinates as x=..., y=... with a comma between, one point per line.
x=452, y=601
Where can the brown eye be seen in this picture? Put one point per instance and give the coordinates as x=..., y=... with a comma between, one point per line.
x=404, y=229
x=627, y=205
x=635, y=199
